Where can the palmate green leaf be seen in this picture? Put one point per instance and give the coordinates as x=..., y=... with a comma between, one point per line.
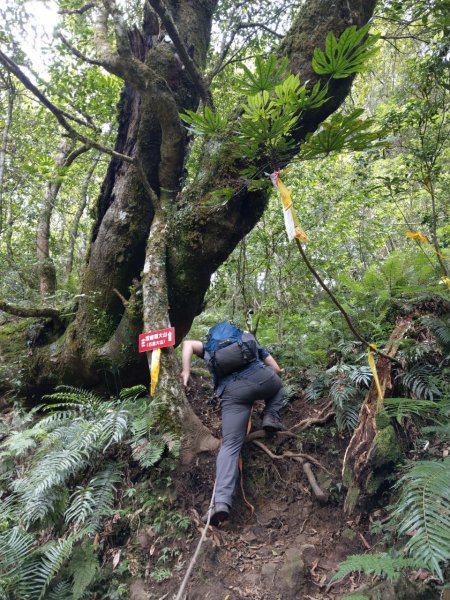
x=347, y=55
x=423, y=510
x=207, y=123
x=342, y=132
x=268, y=73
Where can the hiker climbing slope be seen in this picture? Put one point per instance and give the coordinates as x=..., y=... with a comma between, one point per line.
x=243, y=372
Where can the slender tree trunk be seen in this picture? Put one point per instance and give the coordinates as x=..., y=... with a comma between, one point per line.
x=3, y=149
x=79, y=214
x=46, y=268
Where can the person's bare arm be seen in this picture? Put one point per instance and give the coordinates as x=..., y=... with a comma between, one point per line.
x=189, y=348
x=271, y=362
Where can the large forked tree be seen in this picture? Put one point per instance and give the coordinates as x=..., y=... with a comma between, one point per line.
x=153, y=234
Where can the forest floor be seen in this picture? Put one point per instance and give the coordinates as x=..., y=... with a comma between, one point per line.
x=291, y=545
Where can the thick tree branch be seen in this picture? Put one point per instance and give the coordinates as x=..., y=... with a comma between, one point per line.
x=77, y=11
x=20, y=311
x=57, y=112
x=191, y=67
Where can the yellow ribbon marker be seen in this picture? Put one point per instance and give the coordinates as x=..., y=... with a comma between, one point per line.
x=154, y=369
x=291, y=222
x=417, y=236
x=373, y=368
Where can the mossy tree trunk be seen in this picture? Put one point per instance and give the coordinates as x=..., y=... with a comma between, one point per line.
x=145, y=216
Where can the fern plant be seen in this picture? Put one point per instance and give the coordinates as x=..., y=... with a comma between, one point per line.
x=69, y=481
x=422, y=511
x=344, y=385
x=381, y=564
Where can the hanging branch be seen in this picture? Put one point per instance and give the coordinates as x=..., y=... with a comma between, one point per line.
x=13, y=68
x=78, y=54
x=339, y=306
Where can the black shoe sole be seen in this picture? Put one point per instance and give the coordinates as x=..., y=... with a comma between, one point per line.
x=271, y=430
x=218, y=517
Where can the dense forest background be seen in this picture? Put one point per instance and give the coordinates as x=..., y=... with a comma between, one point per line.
x=135, y=193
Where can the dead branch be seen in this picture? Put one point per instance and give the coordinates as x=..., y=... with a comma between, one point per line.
x=260, y=26
x=339, y=306
x=121, y=297
x=358, y=455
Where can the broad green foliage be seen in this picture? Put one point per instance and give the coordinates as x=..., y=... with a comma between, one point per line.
x=274, y=99
x=342, y=132
x=347, y=55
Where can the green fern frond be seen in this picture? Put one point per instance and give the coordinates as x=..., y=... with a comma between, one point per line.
x=315, y=389
x=173, y=442
x=84, y=566
x=346, y=417
x=440, y=328
x=398, y=408
x=133, y=393
x=60, y=591
x=421, y=381
x=54, y=556
x=380, y=564
x=93, y=501
x=16, y=547
x=66, y=394
x=148, y=453
x=423, y=509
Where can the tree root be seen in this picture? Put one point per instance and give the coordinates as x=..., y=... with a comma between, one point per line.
x=324, y=417
x=321, y=496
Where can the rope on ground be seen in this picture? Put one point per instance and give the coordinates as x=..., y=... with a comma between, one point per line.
x=184, y=583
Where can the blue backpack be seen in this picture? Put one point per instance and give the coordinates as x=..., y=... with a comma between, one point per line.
x=230, y=349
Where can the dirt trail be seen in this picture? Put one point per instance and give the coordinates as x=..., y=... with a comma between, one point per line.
x=291, y=546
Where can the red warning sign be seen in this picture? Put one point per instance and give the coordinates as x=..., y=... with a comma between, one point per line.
x=156, y=339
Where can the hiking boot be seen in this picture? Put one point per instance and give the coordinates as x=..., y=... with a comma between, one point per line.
x=219, y=514
x=271, y=424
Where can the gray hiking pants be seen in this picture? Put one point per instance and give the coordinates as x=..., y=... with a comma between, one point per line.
x=237, y=401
